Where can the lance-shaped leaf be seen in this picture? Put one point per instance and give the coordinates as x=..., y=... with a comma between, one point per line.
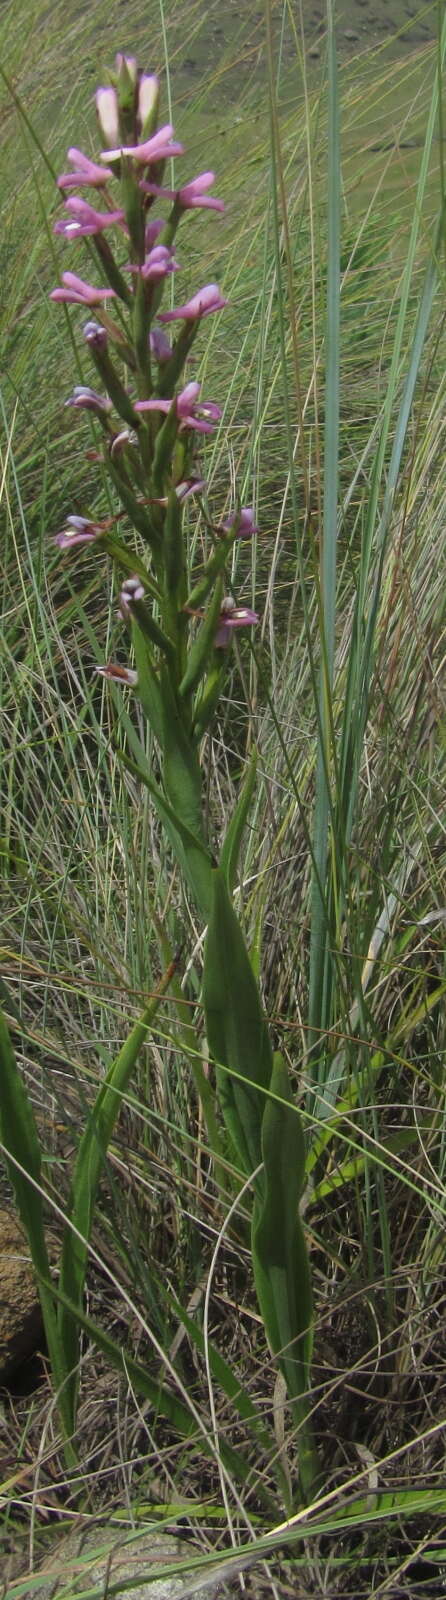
x=191, y=853
x=90, y=1160
x=135, y=511
x=164, y=1400
x=279, y=1253
x=148, y=684
x=203, y=644
x=164, y=445
x=170, y=373
x=112, y=383
x=213, y=568
x=111, y=270
x=207, y=699
x=233, y=837
x=152, y=632
x=173, y=549
x=236, y=1029
x=20, y=1139
x=181, y=768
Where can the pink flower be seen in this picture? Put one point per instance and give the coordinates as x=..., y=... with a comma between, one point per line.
x=232, y=617
x=245, y=523
x=118, y=674
x=159, y=262
x=158, y=148
x=202, y=304
x=78, y=530
x=84, y=220
x=77, y=292
x=189, y=413
x=85, y=172
x=191, y=196
x=85, y=399
x=183, y=490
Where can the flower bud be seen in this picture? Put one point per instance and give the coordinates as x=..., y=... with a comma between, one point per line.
x=160, y=346
x=125, y=79
x=132, y=589
x=95, y=335
x=108, y=115
x=126, y=65
x=148, y=101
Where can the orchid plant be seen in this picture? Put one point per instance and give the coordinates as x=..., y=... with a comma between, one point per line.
x=151, y=416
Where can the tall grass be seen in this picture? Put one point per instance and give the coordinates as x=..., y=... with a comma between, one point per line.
x=342, y=881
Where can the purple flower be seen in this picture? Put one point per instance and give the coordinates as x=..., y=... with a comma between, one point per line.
x=118, y=674
x=189, y=486
x=232, y=617
x=78, y=530
x=78, y=293
x=208, y=299
x=132, y=589
x=189, y=413
x=191, y=196
x=108, y=114
x=85, y=172
x=160, y=346
x=158, y=148
x=244, y=519
x=183, y=490
x=95, y=335
x=84, y=220
x=85, y=399
x=157, y=265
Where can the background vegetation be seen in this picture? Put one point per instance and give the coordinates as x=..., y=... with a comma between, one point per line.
x=91, y=904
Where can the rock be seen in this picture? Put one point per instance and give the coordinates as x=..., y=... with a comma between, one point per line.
x=104, y=1555
x=349, y=33
x=20, y=1314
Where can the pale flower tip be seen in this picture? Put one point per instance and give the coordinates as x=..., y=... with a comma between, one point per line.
x=108, y=115
x=148, y=97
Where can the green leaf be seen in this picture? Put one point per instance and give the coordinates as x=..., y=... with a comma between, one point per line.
x=233, y=837
x=89, y=1164
x=148, y=689
x=207, y=700
x=135, y=511
x=163, y=1399
x=203, y=644
x=191, y=853
x=279, y=1253
x=236, y=1029
x=173, y=550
